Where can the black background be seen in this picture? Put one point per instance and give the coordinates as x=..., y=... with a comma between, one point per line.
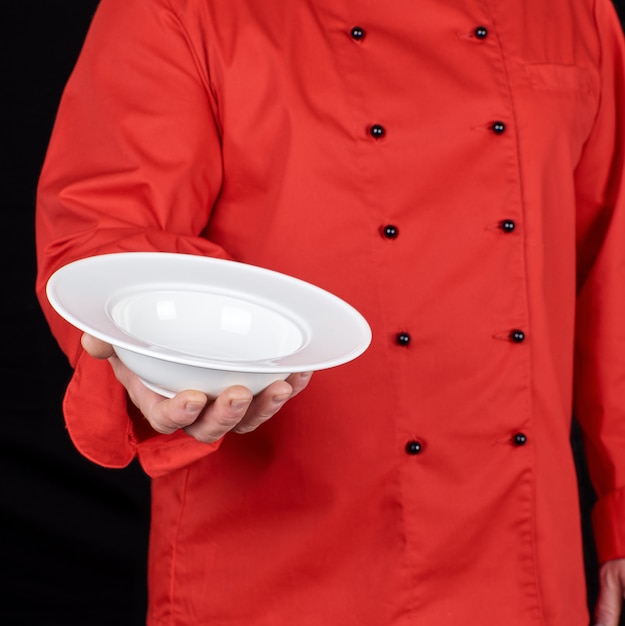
x=73, y=536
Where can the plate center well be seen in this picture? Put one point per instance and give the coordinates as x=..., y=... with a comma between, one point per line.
x=207, y=325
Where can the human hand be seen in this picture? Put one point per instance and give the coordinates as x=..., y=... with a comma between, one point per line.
x=205, y=419
x=611, y=593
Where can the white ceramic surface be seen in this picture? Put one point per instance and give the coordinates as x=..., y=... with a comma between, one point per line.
x=190, y=322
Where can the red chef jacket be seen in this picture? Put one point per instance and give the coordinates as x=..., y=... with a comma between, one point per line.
x=455, y=170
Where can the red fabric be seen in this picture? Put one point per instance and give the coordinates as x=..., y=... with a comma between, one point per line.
x=242, y=129
x=608, y=517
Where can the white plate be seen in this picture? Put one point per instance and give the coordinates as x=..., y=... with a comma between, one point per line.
x=98, y=293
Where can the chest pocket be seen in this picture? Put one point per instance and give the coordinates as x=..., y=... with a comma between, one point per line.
x=567, y=97
x=555, y=77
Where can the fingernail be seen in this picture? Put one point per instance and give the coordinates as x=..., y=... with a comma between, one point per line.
x=238, y=404
x=193, y=407
x=281, y=399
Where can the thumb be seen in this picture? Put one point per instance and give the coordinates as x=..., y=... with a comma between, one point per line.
x=96, y=348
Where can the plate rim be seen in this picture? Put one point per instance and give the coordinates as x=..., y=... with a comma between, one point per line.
x=297, y=361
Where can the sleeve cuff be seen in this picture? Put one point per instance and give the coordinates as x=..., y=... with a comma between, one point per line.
x=608, y=519
x=101, y=429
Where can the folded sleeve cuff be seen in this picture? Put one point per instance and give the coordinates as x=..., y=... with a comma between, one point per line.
x=607, y=517
x=98, y=422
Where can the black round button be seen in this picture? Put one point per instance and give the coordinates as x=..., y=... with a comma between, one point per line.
x=403, y=339
x=377, y=131
x=520, y=439
x=507, y=226
x=481, y=32
x=414, y=447
x=390, y=231
x=517, y=335
x=357, y=33
x=498, y=128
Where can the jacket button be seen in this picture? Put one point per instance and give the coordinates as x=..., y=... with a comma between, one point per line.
x=414, y=447
x=481, y=32
x=357, y=33
x=507, y=226
x=498, y=128
x=390, y=231
x=403, y=339
x=377, y=131
x=520, y=439
x=516, y=335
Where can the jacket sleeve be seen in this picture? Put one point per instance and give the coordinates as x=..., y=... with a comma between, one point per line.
x=600, y=336
x=133, y=164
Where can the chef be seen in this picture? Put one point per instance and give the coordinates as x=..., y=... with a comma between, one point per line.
x=455, y=171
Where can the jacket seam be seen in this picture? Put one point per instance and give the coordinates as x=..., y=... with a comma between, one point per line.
x=175, y=544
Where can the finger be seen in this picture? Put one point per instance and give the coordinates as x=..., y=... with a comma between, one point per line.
x=610, y=599
x=237, y=411
x=95, y=347
x=165, y=415
x=265, y=405
x=222, y=415
x=299, y=381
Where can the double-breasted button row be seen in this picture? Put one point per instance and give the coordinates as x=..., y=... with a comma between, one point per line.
x=390, y=231
x=414, y=446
